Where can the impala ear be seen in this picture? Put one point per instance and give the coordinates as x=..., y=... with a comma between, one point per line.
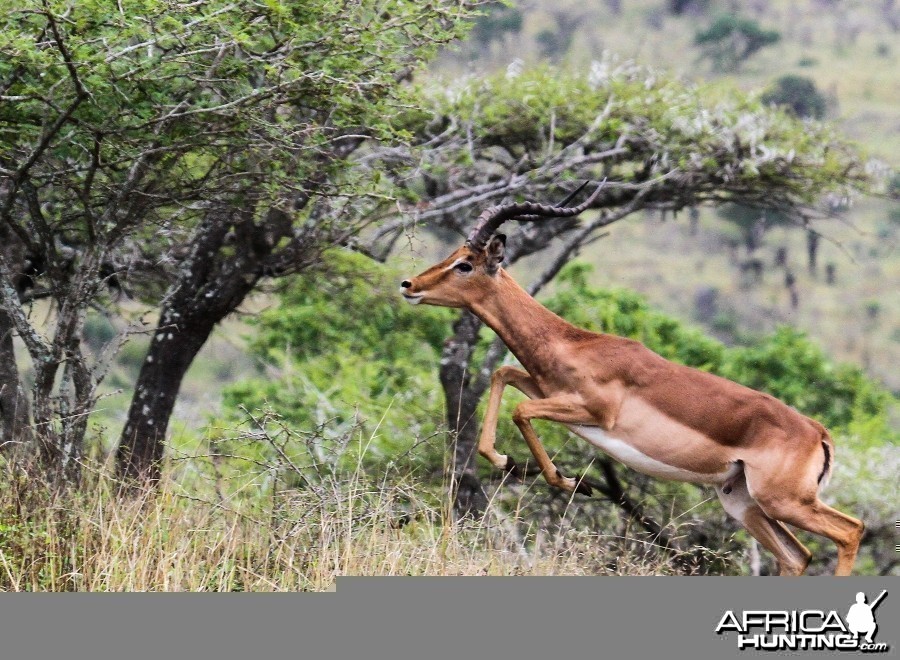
x=495, y=252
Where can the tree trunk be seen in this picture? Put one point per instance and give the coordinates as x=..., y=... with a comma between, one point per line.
x=15, y=413
x=462, y=395
x=16, y=431
x=170, y=355
x=229, y=254
x=210, y=287
x=812, y=251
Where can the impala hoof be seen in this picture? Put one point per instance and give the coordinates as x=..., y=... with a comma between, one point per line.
x=584, y=488
x=513, y=468
x=573, y=485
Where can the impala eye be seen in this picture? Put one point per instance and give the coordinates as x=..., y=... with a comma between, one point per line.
x=464, y=267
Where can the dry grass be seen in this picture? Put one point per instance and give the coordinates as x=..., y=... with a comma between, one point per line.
x=97, y=538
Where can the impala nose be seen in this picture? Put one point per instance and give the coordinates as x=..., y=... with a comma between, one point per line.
x=405, y=284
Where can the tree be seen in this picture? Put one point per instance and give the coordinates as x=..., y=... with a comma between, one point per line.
x=207, y=140
x=751, y=222
x=495, y=23
x=332, y=370
x=656, y=143
x=731, y=40
x=695, y=7
x=556, y=43
x=799, y=95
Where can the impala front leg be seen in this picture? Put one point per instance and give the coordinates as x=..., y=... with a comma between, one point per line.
x=555, y=410
x=502, y=377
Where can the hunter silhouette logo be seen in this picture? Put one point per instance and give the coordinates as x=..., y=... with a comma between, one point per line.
x=807, y=630
x=861, y=617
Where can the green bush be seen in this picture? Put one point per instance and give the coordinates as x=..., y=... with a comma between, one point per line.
x=343, y=353
x=799, y=95
x=495, y=23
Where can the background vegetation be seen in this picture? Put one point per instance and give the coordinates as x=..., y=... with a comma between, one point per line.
x=312, y=435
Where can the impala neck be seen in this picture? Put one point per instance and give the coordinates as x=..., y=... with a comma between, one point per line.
x=527, y=328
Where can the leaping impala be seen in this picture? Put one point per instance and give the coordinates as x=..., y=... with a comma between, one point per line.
x=765, y=459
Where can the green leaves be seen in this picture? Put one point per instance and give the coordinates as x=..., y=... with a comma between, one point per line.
x=636, y=126
x=232, y=84
x=797, y=94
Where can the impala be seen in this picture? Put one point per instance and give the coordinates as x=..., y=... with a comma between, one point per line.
x=766, y=460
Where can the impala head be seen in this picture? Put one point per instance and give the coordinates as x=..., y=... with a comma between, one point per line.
x=472, y=270
x=460, y=279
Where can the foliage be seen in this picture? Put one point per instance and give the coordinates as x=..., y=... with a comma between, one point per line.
x=197, y=85
x=686, y=143
x=343, y=350
x=556, y=42
x=799, y=94
x=498, y=20
x=174, y=538
x=893, y=186
x=553, y=44
x=679, y=7
x=752, y=222
x=731, y=40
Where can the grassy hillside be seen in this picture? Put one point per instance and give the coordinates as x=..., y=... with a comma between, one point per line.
x=847, y=48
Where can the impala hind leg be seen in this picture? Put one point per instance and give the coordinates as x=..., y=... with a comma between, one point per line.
x=798, y=504
x=791, y=555
x=821, y=519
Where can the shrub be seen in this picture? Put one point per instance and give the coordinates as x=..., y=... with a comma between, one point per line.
x=799, y=95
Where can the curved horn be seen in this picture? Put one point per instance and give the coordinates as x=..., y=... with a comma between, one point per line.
x=491, y=218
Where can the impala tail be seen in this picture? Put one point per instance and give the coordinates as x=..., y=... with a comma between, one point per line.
x=828, y=464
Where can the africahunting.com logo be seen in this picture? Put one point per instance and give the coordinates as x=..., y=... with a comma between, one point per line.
x=807, y=630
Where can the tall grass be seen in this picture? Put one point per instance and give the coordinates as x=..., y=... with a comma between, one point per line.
x=101, y=537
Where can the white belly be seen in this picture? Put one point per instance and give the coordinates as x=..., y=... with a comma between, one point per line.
x=636, y=460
